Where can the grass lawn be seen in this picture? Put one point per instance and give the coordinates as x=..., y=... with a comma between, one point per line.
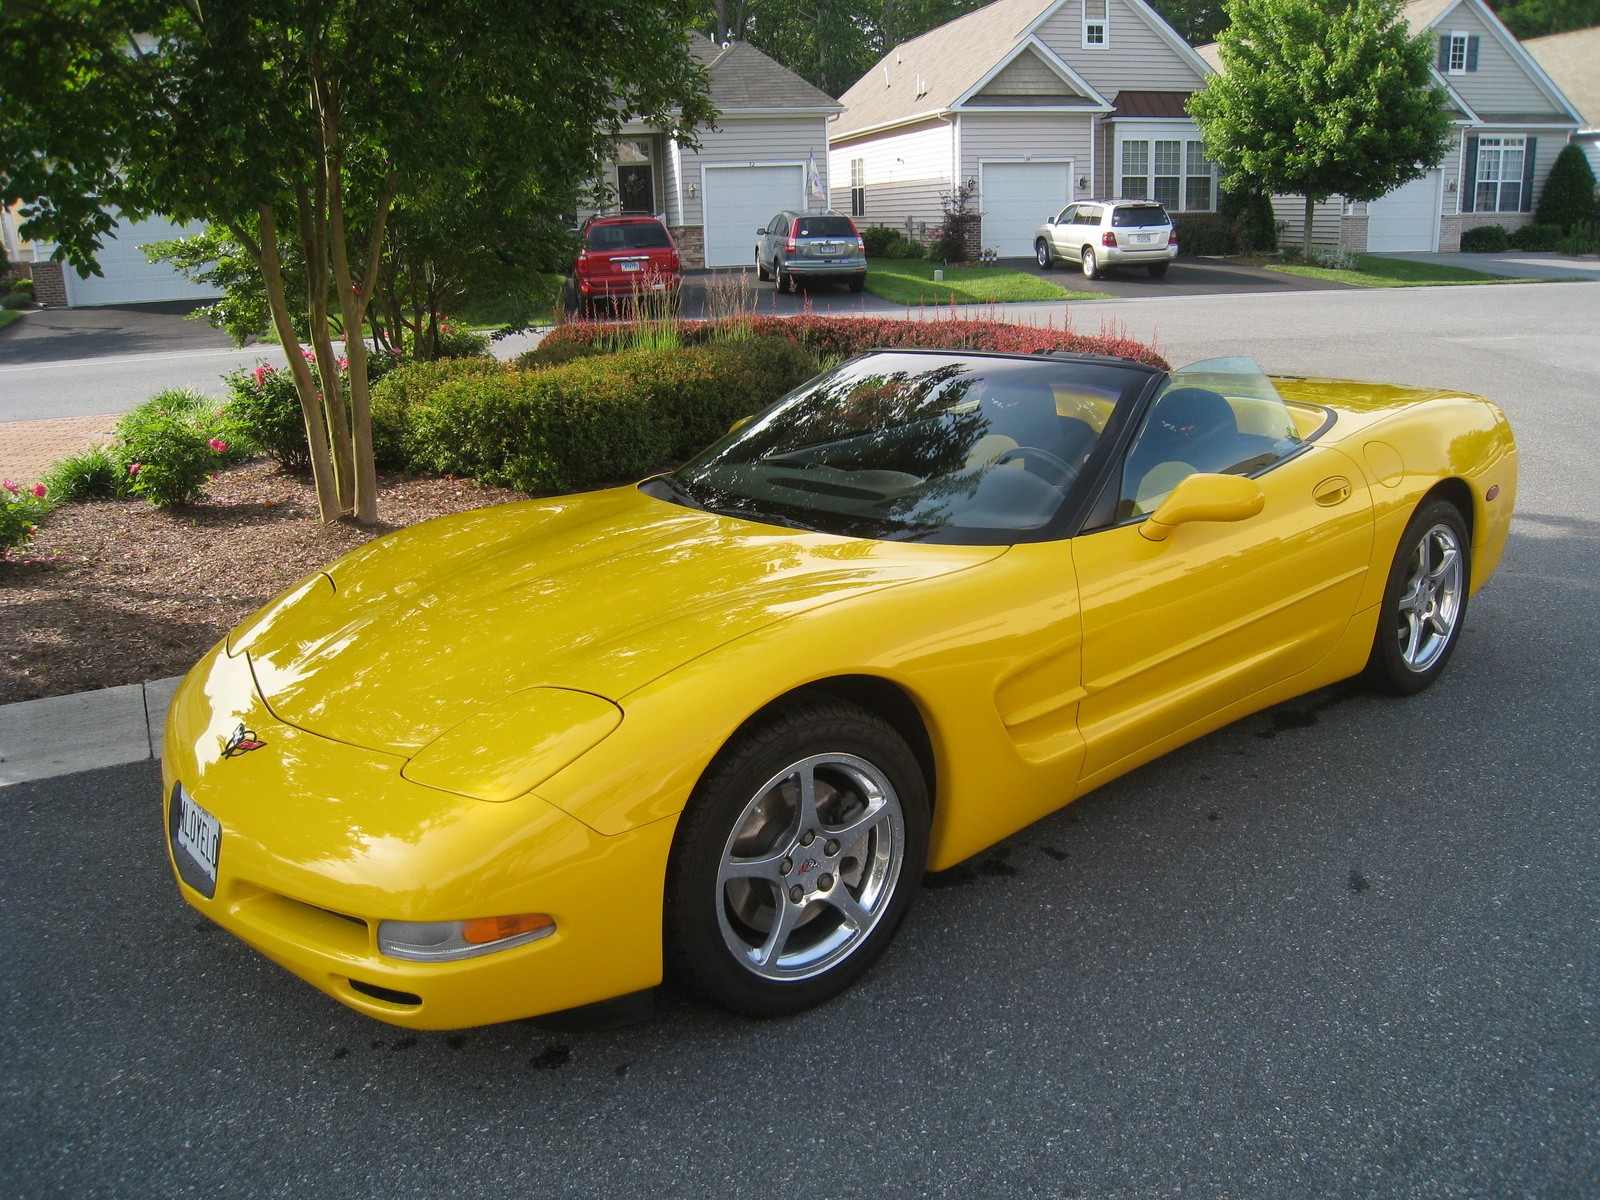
x=1375, y=271
x=9, y=316
x=910, y=281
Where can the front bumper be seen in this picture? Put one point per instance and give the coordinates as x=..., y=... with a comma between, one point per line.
x=320, y=841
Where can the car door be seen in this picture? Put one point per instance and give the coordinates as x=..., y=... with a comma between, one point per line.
x=1058, y=228
x=1178, y=629
x=1074, y=234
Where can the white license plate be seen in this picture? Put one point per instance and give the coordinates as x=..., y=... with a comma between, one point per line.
x=629, y=266
x=1144, y=239
x=200, y=834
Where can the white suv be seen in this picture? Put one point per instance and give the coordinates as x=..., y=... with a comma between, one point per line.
x=1098, y=234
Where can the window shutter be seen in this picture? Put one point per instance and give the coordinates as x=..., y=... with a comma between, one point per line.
x=1472, y=54
x=1444, y=52
x=1527, y=174
x=1469, y=177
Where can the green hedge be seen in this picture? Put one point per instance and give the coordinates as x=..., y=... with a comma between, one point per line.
x=1205, y=234
x=1485, y=239
x=843, y=337
x=1536, y=238
x=394, y=394
x=594, y=421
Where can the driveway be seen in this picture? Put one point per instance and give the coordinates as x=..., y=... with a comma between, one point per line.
x=71, y=334
x=1516, y=264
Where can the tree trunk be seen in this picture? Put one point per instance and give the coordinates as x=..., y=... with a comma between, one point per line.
x=1305, y=244
x=313, y=238
x=304, y=385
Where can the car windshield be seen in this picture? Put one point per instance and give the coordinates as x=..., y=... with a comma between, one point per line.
x=1221, y=416
x=631, y=235
x=904, y=446
x=1139, y=215
x=828, y=227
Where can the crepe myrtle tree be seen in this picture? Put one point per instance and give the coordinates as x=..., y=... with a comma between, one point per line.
x=306, y=123
x=1322, y=97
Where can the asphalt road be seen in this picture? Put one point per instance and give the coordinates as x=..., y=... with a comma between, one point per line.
x=1345, y=948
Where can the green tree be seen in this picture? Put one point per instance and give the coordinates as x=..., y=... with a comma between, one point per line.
x=1568, y=199
x=1536, y=18
x=321, y=124
x=1322, y=97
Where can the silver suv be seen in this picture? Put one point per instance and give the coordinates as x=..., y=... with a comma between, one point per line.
x=797, y=247
x=1099, y=234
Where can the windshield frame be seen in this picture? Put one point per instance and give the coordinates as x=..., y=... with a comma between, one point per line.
x=689, y=486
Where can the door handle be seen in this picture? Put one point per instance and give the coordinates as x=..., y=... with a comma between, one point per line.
x=1331, y=491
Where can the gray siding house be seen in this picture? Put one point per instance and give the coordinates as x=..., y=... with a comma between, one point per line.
x=1039, y=102
x=1572, y=60
x=1510, y=121
x=767, y=151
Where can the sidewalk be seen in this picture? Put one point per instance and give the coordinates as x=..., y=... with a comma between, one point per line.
x=29, y=448
x=62, y=735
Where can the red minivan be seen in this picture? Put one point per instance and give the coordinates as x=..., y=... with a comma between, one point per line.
x=623, y=256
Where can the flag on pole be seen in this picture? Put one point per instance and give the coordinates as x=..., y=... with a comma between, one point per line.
x=814, y=178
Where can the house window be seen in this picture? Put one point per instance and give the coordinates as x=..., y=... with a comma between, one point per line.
x=1175, y=172
x=1197, y=190
x=1458, y=54
x=1499, y=183
x=1136, y=170
x=858, y=187
x=1095, y=24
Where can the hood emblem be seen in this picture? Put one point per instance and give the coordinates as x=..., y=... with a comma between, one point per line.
x=241, y=741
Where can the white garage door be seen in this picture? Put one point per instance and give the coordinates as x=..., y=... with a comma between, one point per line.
x=1407, y=218
x=129, y=277
x=740, y=200
x=1017, y=198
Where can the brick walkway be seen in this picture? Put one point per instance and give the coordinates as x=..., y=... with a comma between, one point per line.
x=28, y=448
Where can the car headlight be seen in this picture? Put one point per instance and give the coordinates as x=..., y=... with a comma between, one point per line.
x=446, y=941
x=512, y=746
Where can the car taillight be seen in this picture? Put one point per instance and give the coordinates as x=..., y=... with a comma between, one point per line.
x=583, y=262
x=861, y=245
x=1108, y=239
x=1172, y=238
x=791, y=246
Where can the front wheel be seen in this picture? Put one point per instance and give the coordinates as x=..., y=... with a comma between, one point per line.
x=1042, y=255
x=1424, y=602
x=796, y=860
x=761, y=267
x=1091, y=268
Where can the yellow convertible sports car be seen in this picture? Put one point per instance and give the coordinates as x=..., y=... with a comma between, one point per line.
x=533, y=758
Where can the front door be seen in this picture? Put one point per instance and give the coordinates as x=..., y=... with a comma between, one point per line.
x=636, y=190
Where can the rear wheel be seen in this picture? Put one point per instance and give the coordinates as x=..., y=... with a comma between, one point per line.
x=796, y=859
x=1042, y=255
x=784, y=280
x=1157, y=270
x=1424, y=602
x=1091, y=266
x=858, y=283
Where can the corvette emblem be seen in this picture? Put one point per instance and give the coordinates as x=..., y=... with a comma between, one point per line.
x=241, y=741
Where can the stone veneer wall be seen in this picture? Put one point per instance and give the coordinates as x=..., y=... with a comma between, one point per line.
x=691, y=241
x=49, y=288
x=1452, y=227
x=1353, y=234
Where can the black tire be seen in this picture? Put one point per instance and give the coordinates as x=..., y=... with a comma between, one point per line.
x=781, y=276
x=1424, y=601
x=1042, y=255
x=761, y=267
x=857, y=283
x=569, y=296
x=1091, y=265
x=746, y=862
x=1157, y=270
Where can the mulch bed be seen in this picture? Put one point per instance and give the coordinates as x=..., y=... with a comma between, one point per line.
x=116, y=592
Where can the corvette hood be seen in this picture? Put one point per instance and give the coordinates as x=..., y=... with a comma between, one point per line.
x=601, y=593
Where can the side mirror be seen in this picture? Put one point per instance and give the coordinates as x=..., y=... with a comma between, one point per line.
x=762, y=232
x=1205, y=498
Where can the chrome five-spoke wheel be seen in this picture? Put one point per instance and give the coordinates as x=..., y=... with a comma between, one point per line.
x=810, y=866
x=796, y=859
x=1424, y=601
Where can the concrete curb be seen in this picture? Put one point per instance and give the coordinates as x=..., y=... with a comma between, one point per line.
x=62, y=735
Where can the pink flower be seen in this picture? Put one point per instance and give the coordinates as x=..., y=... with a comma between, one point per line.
x=218, y=445
x=135, y=468
x=9, y=486
x=308, y=355
x=344, y=363
x=262, y=372
x=38, y=491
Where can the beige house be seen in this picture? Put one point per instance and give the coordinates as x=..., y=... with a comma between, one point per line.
x=1040, y=103
x=1509, y=120
x=1573, y=61
x=767, y=151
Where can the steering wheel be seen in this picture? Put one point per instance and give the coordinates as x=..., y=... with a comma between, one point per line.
x=1062, y=472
